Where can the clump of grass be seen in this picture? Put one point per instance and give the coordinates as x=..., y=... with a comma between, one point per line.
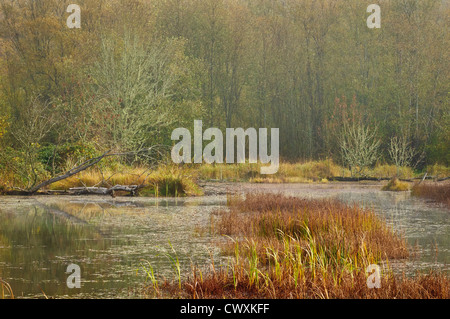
x=332, y=223
x=386, y=171
x=438, y=192
x=395, y=185
x=286, y=247
x=241, y=283
x=147, y=267
x=95, y=177
x=287, y=173
x=438, y=171
x=305, y=172
x=313, y=170
x=166, y=180
x=6, y=289
x=228, y=172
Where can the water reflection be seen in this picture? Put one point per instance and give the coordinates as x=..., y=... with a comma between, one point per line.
x=108, y=238
x=426, y=226
x=34, y=244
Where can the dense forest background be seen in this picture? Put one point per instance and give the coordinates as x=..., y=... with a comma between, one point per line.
x=137, y=69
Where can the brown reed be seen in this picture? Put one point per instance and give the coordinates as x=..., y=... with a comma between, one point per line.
x=438, y=192
x=288, y=247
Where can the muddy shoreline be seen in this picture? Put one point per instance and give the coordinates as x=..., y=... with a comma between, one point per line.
x=223, y=187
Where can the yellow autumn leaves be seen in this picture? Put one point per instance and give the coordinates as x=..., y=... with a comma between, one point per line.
x=3, y=125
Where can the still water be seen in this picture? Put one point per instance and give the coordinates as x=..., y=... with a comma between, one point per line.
x=111, y=238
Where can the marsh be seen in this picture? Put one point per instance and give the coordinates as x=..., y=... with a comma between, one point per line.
x=111, y=239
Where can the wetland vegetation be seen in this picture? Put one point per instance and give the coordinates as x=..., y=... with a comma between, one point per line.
x=90, y=110
x=287, y=247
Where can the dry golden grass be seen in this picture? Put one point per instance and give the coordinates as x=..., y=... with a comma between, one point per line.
x=164, y=181
x=287, y=173
x=438, y=171
x=395, y=185
x=386, y=171
x=306, y=172
x=113, y=173
x=103, y=178
x=286, y=247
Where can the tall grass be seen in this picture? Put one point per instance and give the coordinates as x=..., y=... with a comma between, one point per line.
x=438, y=171
x=175, y=263
x=335, y=225
x=311, y=171
x=387, y=171
x=176, y=180
x=167, y=180
x=286, y=247
x=6, y=290
x=438, y=192
x=147, y=267
x=287, y=172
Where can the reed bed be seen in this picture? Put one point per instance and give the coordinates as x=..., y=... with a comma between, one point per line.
x=438, y=171
x=330, y=223
x=438, y=192
x=301, y=172
x=287, y=173
x=166, y=180
x=287, y=247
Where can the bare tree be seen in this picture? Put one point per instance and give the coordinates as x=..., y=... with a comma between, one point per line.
x=401, y=152
x=134, y=89
x=147, y=152
x=359, y=146
x=31, y=125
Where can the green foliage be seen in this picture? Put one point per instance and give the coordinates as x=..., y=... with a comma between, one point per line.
x=57, y=158
x=17, y=170
x=385, y=171
x=438, y=171
x=3, y=126
x=126, y=81
x=438, y=151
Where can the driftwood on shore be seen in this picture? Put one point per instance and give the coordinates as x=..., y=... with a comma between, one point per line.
x=132, y=189
x=73, y=171
x=83, y=190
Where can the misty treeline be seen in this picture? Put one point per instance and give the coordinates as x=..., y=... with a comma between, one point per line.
x=137, y=69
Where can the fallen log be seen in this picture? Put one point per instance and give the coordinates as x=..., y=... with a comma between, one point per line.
x=73, y=171
x=132, y=189
x=356, y=179
x=83, y=166
x=366, y=178
x=89, y=190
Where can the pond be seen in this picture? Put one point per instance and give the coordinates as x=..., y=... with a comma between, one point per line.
x=111, y=238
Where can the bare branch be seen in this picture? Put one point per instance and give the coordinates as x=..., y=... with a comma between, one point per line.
x=85, y=165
